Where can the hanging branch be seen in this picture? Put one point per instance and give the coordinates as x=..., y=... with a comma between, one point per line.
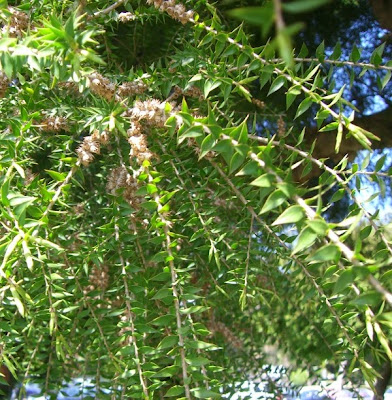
x=176, y=298
x=129, y=313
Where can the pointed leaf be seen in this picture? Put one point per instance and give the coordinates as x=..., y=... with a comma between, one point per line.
x=291, y=215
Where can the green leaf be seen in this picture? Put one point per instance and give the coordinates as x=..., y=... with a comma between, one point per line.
x=199, y=344
x=380, y=163
x=305, y=239
x=6, y=327
x=368, y=299
x=17, y=200
x=197, y=361
x=168, y=342
x=240, y=132
x=206, y=145
x=365, y=232
x=277, y=84
x=210, y=85
x=303, y=6
x=10, y=249
x=383, y=341
x=330, y=127
x=175, y=391
x=335, y=96
x=251, y=168
x=19, y=169
x=27, y=255
x=338, y=195
x=369, y=325
x=376, y=57
x=320, y=52
x=319, y=226
x=201, y=393
x=167, y=372
x=275, y=199
x=329, y=252
x=245, y=92
x=345, y=279
x=18, y=301
x=304, y=106
x=266, y=180
x=337, y=52
x=194, y=309
x=292, y=215
x=385, y=80
x=150, y=205
x=163, y=320
x=192, y=132
x=163, y=293
x=9, y=365
x=262, y=16
x=224, y=146
x=236, y=161
x=265, y=77
x=5, y=188
x=46, y=243
x=291, y=95
x=355, y=54
x=58, y=176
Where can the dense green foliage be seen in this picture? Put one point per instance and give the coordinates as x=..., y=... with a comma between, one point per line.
x=157, y=231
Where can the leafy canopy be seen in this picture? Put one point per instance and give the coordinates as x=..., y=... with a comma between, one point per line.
x=157, y=231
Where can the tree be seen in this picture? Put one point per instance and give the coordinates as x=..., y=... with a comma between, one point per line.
x=157, y=231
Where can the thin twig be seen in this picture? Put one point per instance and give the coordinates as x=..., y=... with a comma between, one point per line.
x=247, y=260
x=338, y=63
x=107, y=9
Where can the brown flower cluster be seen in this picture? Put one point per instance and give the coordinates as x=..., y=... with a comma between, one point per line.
x=92, y=145
x=193, y=91
x=177, y=92
x=70, y=87
x=126, y=17
x=131, y=88
x=4, y=83
x=258, y=103
x=224, y=203
x=102, y=86
x=78, y=209
x=119, y=178
x=18, y=22
x=54, y=124
x=138, y=143
x=152, y=114
x=98, y=278
x=152, y=111
x=176, y=11
x=281, y=126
